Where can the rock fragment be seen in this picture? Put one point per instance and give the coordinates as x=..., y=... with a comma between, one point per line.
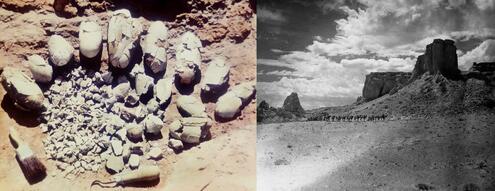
x=120, y=91
x=155, y=153
x=115, y=122
x=229, y=104
x=137, y=69
x=191, y=106
x=22, y=89
x=132, y=113
x=115, y=164
x=244, y=90
x=175, y=144
x=190, y=129
x=126, y=152
x=216, y=75
x=117, y=147
x=137, y=148
x=132, y=99
x=121, y=134
x=134, y=161
x=153, y=124
x=123, y=31
x=163, y=90
x=60, y=50
x=158, y=30
x=188, y=58
x=144, y=84
x=107, y=77
x=134, y=132
x=194, y=130
x=90, y=38
x=41, y=70
x=175, y=129
x=152, y=106
x=155, y=56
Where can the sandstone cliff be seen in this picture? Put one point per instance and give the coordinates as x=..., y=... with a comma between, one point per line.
x=378, y=84
x=440, y=57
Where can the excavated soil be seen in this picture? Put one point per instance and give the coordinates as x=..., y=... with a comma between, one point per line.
x=440, y=153
x=226, y=28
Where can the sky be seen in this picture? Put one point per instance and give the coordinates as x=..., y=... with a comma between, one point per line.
x=323, y=49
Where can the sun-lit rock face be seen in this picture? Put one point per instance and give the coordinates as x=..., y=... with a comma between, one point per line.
x=378, y=84
x=440, y=57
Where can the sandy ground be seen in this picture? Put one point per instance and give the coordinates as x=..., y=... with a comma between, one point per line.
x=226, y=162
x=446, y=153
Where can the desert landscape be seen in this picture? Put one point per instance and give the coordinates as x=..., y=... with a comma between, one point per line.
x=216, y=150
x=440, y=153
x=429, y=129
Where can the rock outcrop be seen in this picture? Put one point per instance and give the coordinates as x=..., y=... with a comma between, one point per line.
x=440, y=57
x=267, y=114
x=478, y=94
x=292, y=105
x=378, y=84
x=484, y=71
x=483, y=67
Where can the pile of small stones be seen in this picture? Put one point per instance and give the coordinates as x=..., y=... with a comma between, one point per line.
x=87, y=126
x=116, y=118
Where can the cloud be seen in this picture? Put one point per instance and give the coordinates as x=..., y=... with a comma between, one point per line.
x=485, y=4
x=482, y=33
x=403, y=28
x=485, y=52
x=274, y=50
x=330, y=5
x=315, y=76
x=271, y=62
x=268, y=15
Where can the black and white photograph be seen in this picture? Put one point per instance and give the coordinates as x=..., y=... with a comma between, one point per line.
x=375, y=95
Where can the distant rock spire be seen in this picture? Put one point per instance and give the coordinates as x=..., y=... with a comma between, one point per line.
x=292, y=104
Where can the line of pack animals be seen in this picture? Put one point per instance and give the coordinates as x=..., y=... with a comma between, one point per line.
x=348, y=118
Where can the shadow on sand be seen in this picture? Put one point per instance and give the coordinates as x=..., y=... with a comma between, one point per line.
x=24, y=118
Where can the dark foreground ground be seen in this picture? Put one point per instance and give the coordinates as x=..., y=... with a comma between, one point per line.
x=439, y=153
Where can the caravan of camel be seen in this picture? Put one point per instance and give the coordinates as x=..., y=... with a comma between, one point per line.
x=347, y=118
